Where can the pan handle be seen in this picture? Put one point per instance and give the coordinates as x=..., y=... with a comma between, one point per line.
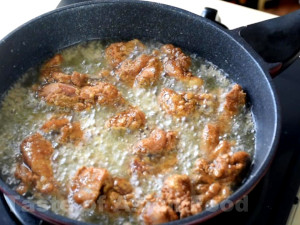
x=277, y=40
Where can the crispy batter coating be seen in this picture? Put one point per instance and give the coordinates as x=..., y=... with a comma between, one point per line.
x=177, y=64
x=102, y=93
x=234, y=100
x=177, y=104
x=36, y=152
x=87, y=184
x=210, y=137
x=51, y=66
x=177, y=193
x=71, y=132
x=158, y=213
x=79, y=79
x=129, y=69
x=132, y=118
x=158, y=142
x=54, y=124
x=149, y=74
x=118, y=52
x=60, y=94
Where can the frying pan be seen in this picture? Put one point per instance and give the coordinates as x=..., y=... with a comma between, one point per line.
x=249, y=55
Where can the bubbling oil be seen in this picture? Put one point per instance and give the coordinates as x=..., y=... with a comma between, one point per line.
x=23, y=113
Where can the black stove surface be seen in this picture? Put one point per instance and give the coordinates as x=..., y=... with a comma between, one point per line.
x=270, y=202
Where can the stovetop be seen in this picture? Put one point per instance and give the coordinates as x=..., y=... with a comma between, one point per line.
x=270, y=202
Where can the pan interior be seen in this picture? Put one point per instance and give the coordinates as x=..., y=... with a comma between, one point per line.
x=128, y=20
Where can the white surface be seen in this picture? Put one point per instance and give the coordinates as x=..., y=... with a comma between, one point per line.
x=14, y=13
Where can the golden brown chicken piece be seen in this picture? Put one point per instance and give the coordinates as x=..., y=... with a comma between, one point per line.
x=177, y=104
x=234, y=100
x=176, y=192
x=24, y=174
x=51, y=66
x=129, y=69
x=118, y=52
x=60, y=94
x=119, y=196
x=149, y=74
x=210, y=137
x=87, y=184
x=132, y=118
x=177, y=64
x=158, y=213
x=76, y=78
x=71, y=132
x=102, y=93
x=37, y=152
x=158, y=142
x=79, y=79
x=54, y=124
x=229, y=167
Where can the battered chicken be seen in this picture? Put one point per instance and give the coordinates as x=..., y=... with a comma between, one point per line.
x=87, y=184
x=51, y=66
x=118, y=52
x=177, y=64
x=129, y=69
x=69, y=131
x=176, y=192
x=102, y=93
x=234, y=100
x=149, y=74
x=158, y=142
x=119, y=197
x=60, y=94
x=177, y=104
x=132, y=118
x=158, y=213
x=210, y=137
x=36, y=152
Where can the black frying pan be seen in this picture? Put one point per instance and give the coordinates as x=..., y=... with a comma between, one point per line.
x=277, y=42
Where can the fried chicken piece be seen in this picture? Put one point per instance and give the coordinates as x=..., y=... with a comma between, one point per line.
x=76, y=78
x=61, y=77
x=153, y=164
x=149, y=74
x=158, y=142
x=176, y=192
x=229, y=167
x=36, y=152
x=234, y=100
x=132, y=118
x=177, y=64
x=79, y=79
x=54, y=124
x=71, y=132
x=51, y=66
x=102, y=93
x=87, y=183
x=158, y=213
x=24, y=174
x=177, y=104
x=60, y=94
x=210, y=137
x=119, y=196
x=118, y=52
x=176, y=54
x=129, y=69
